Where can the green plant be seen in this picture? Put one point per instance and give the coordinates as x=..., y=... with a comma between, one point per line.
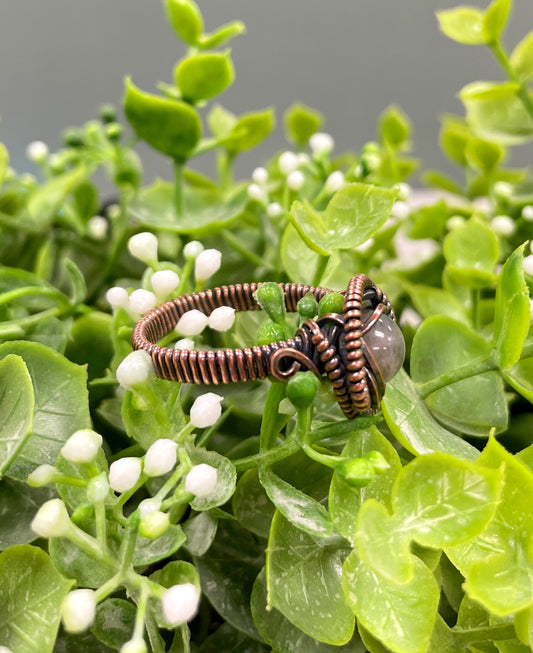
x=260, y=509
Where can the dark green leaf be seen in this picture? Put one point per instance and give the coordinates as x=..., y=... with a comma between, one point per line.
x=202, y=76
x=251, y=505
x=19, y=499
x=200, y=532
x=229, y=640
x=90, y=343
x=114, y=621
x=301, y=122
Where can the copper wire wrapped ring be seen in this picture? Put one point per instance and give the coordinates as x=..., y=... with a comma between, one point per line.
x=333, y=344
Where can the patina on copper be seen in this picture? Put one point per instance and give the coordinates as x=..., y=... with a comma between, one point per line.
x=334, y=344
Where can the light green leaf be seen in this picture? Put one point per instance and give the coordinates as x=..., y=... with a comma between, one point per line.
x=520, y=376
x=202, y=76
x=16, y=408
x=226, y=478
x=61, y=404
x=522, y=58
x=453, y=139
x=19, y=499
x=30, y=601
x=400, y=616
x=77, y=282
x=186, y=19
x=495, y=19
x=511, y=319
x=394, y=127
x=304, y=583
x=462, y=24
x=429, y=301
x=412, y=424
x=147, y=551
x=46, y=201
x=301, y=122
x=170, y=126
x=221, y=121
x=473, y=405
x=249, y=130
x=4, y=163
x=483, y=155
x=222, y=35
x=114, y=621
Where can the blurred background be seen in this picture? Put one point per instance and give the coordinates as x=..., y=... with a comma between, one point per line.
x=61, y=59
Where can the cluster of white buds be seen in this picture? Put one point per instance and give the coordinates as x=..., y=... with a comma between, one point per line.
x=180, y=603
x=206, y=410
x=78, y=610
x=160, y=457
x=164, y=282
x=288, y=162
x=295, y=180
x=503, y=225
x=37, y=151
x=97, y=227
x=528, y=265
x=207, y=263
x=258, y=191
x=135, y=369
x=143, y=246
x=527, y=213
x=335, y=182
x=191, y=323
x=412, y=253
x=124, y=473
x=321, y=144
x=117, y=297
x=410, y=318
x=82, y=446
x=51, y=520
x=201, y=480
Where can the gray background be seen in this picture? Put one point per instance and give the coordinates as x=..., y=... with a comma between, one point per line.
x=60, y=59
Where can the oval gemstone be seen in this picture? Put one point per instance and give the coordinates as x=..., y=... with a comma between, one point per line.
x=386, y=344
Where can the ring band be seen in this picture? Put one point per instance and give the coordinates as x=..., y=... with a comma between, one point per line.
x=333, y=344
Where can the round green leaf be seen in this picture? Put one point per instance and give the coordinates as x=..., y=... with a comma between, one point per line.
x=301, y=122
x=186, y=19
x=114, y=621
x=394, y=127
x=462, y=24
x=202, y=76
x=249, y=130
x=148, y=551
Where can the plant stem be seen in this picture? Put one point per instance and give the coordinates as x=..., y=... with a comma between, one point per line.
x=128, y=543
x=140, y=617
x=185, y=276
x=244, y=251
x=101, y=525
x=478, y=366
x=178, y=188
x=89, y=544
x=108, y=587
x=267, y=436
x=288, y=448
x=503, y=59
x=483, y=634
x=208, y=433
x=225, y=169
x=43, y=291
x=320, y=269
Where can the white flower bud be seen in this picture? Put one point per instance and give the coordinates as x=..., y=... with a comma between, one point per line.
x=82, y=446
x=160, y=457
x=503, y=189
x=143, y=246
x=358, y=170
x=184, y=343
x=207, y=263
x=296, y=180
x=164, y=282
x=136, y=368
x=180, y=603
x=148, y=506
x=51, y=520
x=364, y=247
x=527, y=213
x=201, y=480
x=528, y=265
x=335, y=182
x=37, y=151
x=222, y=318
x=303, y=159
x=287, y=162
x=191, y=323
x=136, y=645
x=154, y=524
x=400, y=210
x=192, y=249
x=124, y=473
x=141, y=301
x=113, y=211
x=4, y=649
x=321, y=143
x=404, y=191
x=410, y=318
x=97, y=227
x=78, y=610
x=257, y=193
x=98, y=488
x=503, y=225
x=41, y=476
x=274, y=209
x=206, y=410
x=118, y=297
x=260, y=176
x=454, y=222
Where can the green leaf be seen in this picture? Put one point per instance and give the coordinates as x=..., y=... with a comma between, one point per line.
x=345, y=501
x=251, y=505
x=462, y=24
x=495, y=19
x=171, y=127
x=430, y=221
x=301, y=122
x=147, y=551
x=19, y=499
x=83, y=643
x=304, y=583
x=73, y=562
x=222, y=35
x=412, y=424
x=437, y=179
x=114, y=621
x=282, y=635
x=473, y=405
x=497, y=563
x=522, y=58
x=394, y=127
x=429, y=301
x=226, y=478
x=90, y=343
x=186, y=19
x=4, y=163
x=301, y=510
x=495, y=112
x=32, y=593
x=221, y=121
x=226, y=638
x=453, y=138
x=202, y=76
x=61, y=404
x=77, y=282
x=400, y=616
x=471, y=252
x=511, y=318
x=16, y=408
x=520, y=376
x=176, y=572
x=483, y=155
x=353, y=214
x=46, y=201
x=200, y=532
x=249, y=130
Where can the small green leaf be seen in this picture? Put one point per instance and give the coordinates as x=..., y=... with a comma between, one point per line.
x=114, y=622
x=90, y=343
x=400, y=616
x=522, y=58
x=147, y=551
x=221, y=121
x=30, y=603
x=19, y=499
x=77, y=282
x=222, y=35
x=171, y=127
x=46, y=201
x=75, y=563
x=520, y=376
x=495, y=19
x=471, y=252
x=200, y=531
x=301, y=122
x=511, y=319
x=462, y=24
x=4, y=163
x=394, y=127
x=429, y=301
x=204, y=75
x=483, y=155
x=186, y=19
x=430, y=221
x=453, y=138
x=249, y=130
x=226, y=478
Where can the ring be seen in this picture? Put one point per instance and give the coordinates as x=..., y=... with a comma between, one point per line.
x=358, y=350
